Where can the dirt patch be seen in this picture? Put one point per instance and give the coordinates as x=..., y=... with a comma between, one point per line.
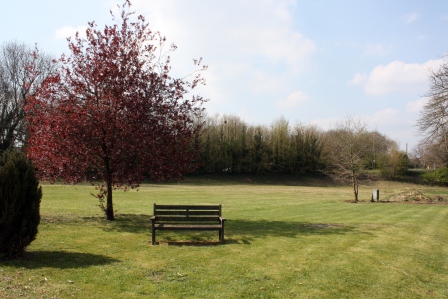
x=409, y=197
x=415, y=197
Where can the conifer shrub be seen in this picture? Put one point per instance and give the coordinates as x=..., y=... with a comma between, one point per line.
x=20, y=196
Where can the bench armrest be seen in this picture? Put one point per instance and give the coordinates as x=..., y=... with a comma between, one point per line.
x=221, y=219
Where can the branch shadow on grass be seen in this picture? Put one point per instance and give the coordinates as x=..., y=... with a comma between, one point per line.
x=237, y=231
x=60, y=260
x=245, y=231
x=129, y=223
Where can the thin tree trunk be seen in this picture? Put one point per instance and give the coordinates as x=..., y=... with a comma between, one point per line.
x=109, y=205
x=355, y=187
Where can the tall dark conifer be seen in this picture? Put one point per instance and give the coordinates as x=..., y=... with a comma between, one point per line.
x=20, y=197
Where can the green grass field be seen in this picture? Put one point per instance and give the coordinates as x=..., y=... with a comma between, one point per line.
x=284, y=239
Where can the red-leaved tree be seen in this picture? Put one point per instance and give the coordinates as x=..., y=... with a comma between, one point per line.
x=112, y=113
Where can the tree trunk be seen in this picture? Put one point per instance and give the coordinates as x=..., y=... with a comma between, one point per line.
x=355, y=185
x=109, y=205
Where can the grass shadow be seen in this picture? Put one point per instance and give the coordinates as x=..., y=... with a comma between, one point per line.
x=189, y=243
x=243, y=232
x=263, y=228
x=237, y=231
x=136, y=223
x=130, y=223
x=60, y=260
x=223, y=179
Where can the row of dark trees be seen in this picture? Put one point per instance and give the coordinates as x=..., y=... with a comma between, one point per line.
x=229, y=144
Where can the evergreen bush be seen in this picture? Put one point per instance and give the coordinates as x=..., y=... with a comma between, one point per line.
x=20, y=196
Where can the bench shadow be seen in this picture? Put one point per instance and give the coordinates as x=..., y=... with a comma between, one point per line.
x=237, y=231
x=189, y=243
x=60, y=260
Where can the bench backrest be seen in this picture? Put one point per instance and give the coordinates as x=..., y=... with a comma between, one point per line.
x=187, y=213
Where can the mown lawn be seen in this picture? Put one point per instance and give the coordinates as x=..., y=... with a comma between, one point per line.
x=287, y=240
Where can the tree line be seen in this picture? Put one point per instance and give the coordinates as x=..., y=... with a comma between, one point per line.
x=228, y=144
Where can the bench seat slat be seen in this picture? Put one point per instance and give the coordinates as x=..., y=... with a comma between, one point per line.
x=163, y=226
x=187, y=219
x=181, y=212
x=189, y=207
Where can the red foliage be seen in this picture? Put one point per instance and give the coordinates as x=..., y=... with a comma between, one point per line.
x=112, y=112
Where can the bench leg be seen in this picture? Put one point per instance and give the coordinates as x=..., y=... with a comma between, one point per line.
x=221, y=235
x=153, y=236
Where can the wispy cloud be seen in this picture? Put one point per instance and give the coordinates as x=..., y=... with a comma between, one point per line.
x=254, y=49
x=358, y=78
x=386, y=116
x=68, y=31
x=416, y=106
x=400, y=77
x=393, y=122
x=293, y=100
x=409, y=18
x=376, y=49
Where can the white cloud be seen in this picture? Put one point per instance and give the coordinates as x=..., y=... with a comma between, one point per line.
x=253, y=51
x=400, y=77
x=358, y=78
x=388, y=116
x=275, y=44
x=325, y=123
x=265, y=82
x=409, y=18
x=68, y=31
x=383, y=118
x=232, y=31
x=416, y=106
x=395, y=124
x=293, y=100
x=376, y=49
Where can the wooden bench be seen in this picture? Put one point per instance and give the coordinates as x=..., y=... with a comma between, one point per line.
x=187, y=217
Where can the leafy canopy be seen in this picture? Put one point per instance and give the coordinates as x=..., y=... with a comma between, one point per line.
x=113, y=112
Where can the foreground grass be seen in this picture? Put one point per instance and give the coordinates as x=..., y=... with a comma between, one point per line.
x=282, y=241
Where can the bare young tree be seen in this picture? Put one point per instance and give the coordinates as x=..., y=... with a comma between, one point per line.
x=345, y=148
x=17, y=82
x=433, y=120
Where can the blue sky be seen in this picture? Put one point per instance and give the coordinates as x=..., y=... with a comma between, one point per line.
x=313, y=62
